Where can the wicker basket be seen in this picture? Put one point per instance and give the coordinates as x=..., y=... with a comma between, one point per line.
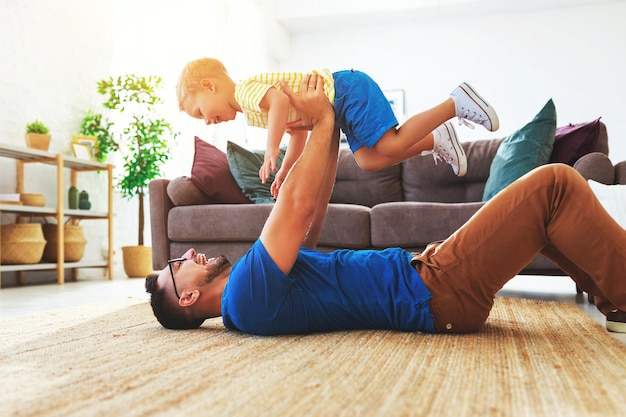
x=74, y=243
x=22, y=243
x=37, y=200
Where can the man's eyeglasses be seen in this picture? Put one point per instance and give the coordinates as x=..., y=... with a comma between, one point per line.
x=169, y=263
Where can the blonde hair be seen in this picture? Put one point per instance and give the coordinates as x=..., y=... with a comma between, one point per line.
x=194, y=72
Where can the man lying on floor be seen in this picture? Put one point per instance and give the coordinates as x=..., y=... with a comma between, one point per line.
x=284, y=286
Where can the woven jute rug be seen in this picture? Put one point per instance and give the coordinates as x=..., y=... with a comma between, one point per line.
x=532, y=358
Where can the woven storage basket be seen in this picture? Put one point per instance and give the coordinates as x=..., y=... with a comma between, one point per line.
x=37, y=200
x=74, y=243
x=22, y=243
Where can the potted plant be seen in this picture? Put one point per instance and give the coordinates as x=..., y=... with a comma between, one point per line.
x=143, y=143
x=37, y=136
x=94, y=124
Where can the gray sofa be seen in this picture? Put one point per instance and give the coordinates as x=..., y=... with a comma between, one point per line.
x=408, y=205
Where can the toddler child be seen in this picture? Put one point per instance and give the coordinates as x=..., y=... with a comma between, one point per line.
x=206, y=91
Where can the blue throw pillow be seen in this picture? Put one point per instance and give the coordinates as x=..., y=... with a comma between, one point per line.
x=245, y=165
x=523, y=151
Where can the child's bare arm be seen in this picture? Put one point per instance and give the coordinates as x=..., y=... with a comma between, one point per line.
x=277, y=105
x=294, y=150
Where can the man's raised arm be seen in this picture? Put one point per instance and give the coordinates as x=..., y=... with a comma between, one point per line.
x=298, y=201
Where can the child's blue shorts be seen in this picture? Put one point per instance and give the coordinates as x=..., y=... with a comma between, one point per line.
x=361, y=109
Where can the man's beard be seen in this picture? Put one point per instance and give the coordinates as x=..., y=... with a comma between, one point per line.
x=220, y=265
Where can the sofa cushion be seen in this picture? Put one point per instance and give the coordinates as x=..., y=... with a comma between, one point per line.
x=424, y=181
x=414, y=224
x=244, y=166
x=239, y=222
x=575, y=140
x=355, y=186
x=346, y=226
x=526, y=149
x=211, y=174
x=183, y=192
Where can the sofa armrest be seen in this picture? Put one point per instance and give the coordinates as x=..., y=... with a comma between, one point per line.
x=596, y=166
x=160, y=205
x=620, y=173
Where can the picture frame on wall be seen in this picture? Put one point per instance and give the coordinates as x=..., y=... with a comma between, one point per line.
x=396, y=101
x=91, y=142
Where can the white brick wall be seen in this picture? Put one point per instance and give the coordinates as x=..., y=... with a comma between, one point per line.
x=52, y=53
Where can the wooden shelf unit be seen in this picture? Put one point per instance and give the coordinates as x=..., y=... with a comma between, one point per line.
x=24, y=156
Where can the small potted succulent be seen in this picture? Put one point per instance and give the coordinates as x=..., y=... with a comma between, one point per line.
x=37, y=136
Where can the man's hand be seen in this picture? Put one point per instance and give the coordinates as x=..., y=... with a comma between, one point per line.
x=312, y=104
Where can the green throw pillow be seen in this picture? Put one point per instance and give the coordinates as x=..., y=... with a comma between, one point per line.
x=523, y=151
x=245, y=165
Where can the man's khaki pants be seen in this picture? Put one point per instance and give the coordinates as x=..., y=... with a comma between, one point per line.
x=550, y=210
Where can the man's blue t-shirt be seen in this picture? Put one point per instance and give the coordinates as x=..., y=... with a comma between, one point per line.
x=341, y=290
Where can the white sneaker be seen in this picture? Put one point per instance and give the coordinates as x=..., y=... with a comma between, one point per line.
x=471, y=106
x=447, y=147
x=616, y=321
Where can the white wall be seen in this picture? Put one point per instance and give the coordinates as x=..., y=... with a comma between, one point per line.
x=52, y=53
x=518, y=61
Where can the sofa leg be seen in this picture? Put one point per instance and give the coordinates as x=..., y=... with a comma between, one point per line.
x=589, y=296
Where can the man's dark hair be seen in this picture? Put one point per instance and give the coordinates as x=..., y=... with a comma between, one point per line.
x=168, y=313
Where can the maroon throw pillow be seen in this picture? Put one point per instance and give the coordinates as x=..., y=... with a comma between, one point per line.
x=573, y=141
x=211, y=174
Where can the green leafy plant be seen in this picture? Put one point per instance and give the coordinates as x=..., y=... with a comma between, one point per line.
x=37, y=127
x=144, y=133
x=94, y=124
